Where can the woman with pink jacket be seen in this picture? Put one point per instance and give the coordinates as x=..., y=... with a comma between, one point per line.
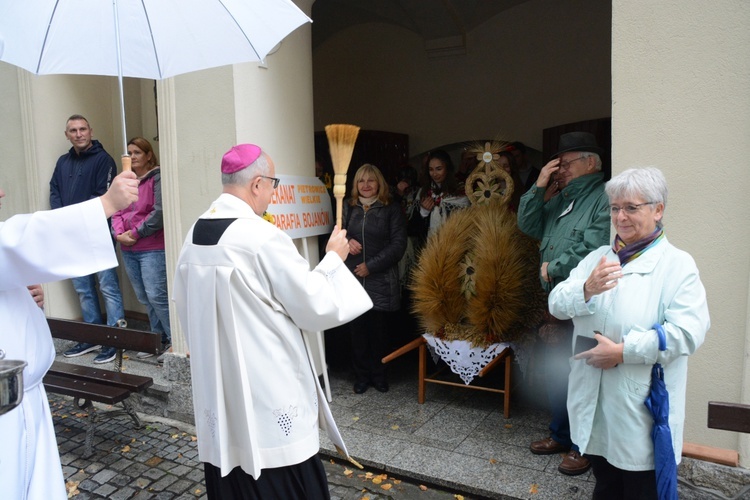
x=140, y=231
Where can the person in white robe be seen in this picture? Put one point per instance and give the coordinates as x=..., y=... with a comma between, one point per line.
x=39, y=248
x=244, y=295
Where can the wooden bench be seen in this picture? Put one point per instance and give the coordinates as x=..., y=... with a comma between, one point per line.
x=724, y=416
x=88, y=384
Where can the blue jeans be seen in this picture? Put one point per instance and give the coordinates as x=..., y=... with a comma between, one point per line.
x=109, y=285
x=148, y=274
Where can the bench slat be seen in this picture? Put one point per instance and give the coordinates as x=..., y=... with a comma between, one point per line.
x=83, y=389
x=133, y=383
x=729, y=416
x=121, y=338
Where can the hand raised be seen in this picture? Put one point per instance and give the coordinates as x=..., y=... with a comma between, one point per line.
x=604, y=277
x=338, y=243
x=428, y=203
x=544, y=175
x=121, y=193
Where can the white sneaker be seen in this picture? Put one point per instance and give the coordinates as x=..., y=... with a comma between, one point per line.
x=143, y=355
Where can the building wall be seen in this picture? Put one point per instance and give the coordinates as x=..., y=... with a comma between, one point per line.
x=13, y=171
x=539, y=64
x=681, y=101
x=35, y=110
x=203, y=114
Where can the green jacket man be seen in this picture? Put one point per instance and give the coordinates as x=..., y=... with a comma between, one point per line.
x=568, y=211
x=570, y=225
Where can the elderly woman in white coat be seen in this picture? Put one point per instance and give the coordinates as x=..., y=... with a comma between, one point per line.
x=617, y=295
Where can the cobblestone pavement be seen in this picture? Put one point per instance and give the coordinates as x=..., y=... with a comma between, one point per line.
x=159, y=461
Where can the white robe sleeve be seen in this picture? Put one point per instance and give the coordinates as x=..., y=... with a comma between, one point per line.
x=55, y=244
x=320, y=299
x=37, y=248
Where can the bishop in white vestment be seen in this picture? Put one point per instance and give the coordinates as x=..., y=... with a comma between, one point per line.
x=244, y=294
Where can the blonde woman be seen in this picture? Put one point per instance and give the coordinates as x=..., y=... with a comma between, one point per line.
x=376, y=229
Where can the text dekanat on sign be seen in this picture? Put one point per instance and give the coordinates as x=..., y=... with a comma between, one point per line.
x=301, y=207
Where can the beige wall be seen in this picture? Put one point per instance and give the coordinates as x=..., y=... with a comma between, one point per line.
x=538, y=64
x=681, y=101
x=13, y=171
x=203, y=114
x=34, y=110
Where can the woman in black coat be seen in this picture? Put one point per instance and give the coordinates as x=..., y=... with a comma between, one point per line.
x=376, y=229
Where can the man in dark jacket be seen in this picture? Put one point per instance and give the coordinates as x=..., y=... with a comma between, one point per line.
x=570, y=225
x=83, y=173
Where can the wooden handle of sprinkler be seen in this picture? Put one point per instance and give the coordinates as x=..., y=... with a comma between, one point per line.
x=126, y=165
x=339, y=190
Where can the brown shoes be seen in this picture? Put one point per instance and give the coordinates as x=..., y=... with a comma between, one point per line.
x=574, y=464
x=547, y=446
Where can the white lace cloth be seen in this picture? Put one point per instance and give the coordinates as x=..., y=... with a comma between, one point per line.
x=463, y=359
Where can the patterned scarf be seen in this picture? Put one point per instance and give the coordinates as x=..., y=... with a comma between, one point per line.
x=626, y=253
x=435, y=192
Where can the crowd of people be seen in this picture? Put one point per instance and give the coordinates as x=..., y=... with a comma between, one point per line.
x=243, y=303
x=615, y=294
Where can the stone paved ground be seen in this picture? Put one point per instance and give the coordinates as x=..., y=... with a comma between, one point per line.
x=159, y=461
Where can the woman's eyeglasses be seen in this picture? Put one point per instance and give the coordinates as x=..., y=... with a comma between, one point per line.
x=629, y=209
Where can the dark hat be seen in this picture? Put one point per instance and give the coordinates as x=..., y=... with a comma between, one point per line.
x=578, y=141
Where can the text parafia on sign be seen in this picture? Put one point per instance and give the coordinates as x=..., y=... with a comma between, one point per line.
x=301, y=207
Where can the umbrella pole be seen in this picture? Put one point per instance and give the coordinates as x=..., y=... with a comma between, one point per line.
x=125, y=156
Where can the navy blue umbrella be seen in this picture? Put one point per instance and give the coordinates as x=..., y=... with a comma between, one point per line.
x=657, y=402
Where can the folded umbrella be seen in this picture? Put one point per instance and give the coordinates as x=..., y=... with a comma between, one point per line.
x=657, y=402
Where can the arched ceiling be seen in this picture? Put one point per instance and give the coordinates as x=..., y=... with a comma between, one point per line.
x=430, y=19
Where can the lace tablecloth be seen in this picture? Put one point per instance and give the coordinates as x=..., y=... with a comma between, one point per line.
x=463, y=359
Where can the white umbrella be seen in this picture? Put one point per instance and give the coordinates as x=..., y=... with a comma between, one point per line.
x=151, y=39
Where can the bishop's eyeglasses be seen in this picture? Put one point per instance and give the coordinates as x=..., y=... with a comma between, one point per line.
x=275, y=180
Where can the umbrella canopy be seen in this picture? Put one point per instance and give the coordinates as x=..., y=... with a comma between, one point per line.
x=657, y=402
x=152, y=39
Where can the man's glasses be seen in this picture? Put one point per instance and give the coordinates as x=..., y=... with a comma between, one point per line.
x=629, y=209
x=275, y=180
x=565, y=165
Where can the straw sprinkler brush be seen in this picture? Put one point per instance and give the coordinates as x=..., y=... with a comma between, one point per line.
x=341, y=139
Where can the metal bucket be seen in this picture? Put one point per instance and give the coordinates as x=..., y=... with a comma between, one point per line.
x=11, y=383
